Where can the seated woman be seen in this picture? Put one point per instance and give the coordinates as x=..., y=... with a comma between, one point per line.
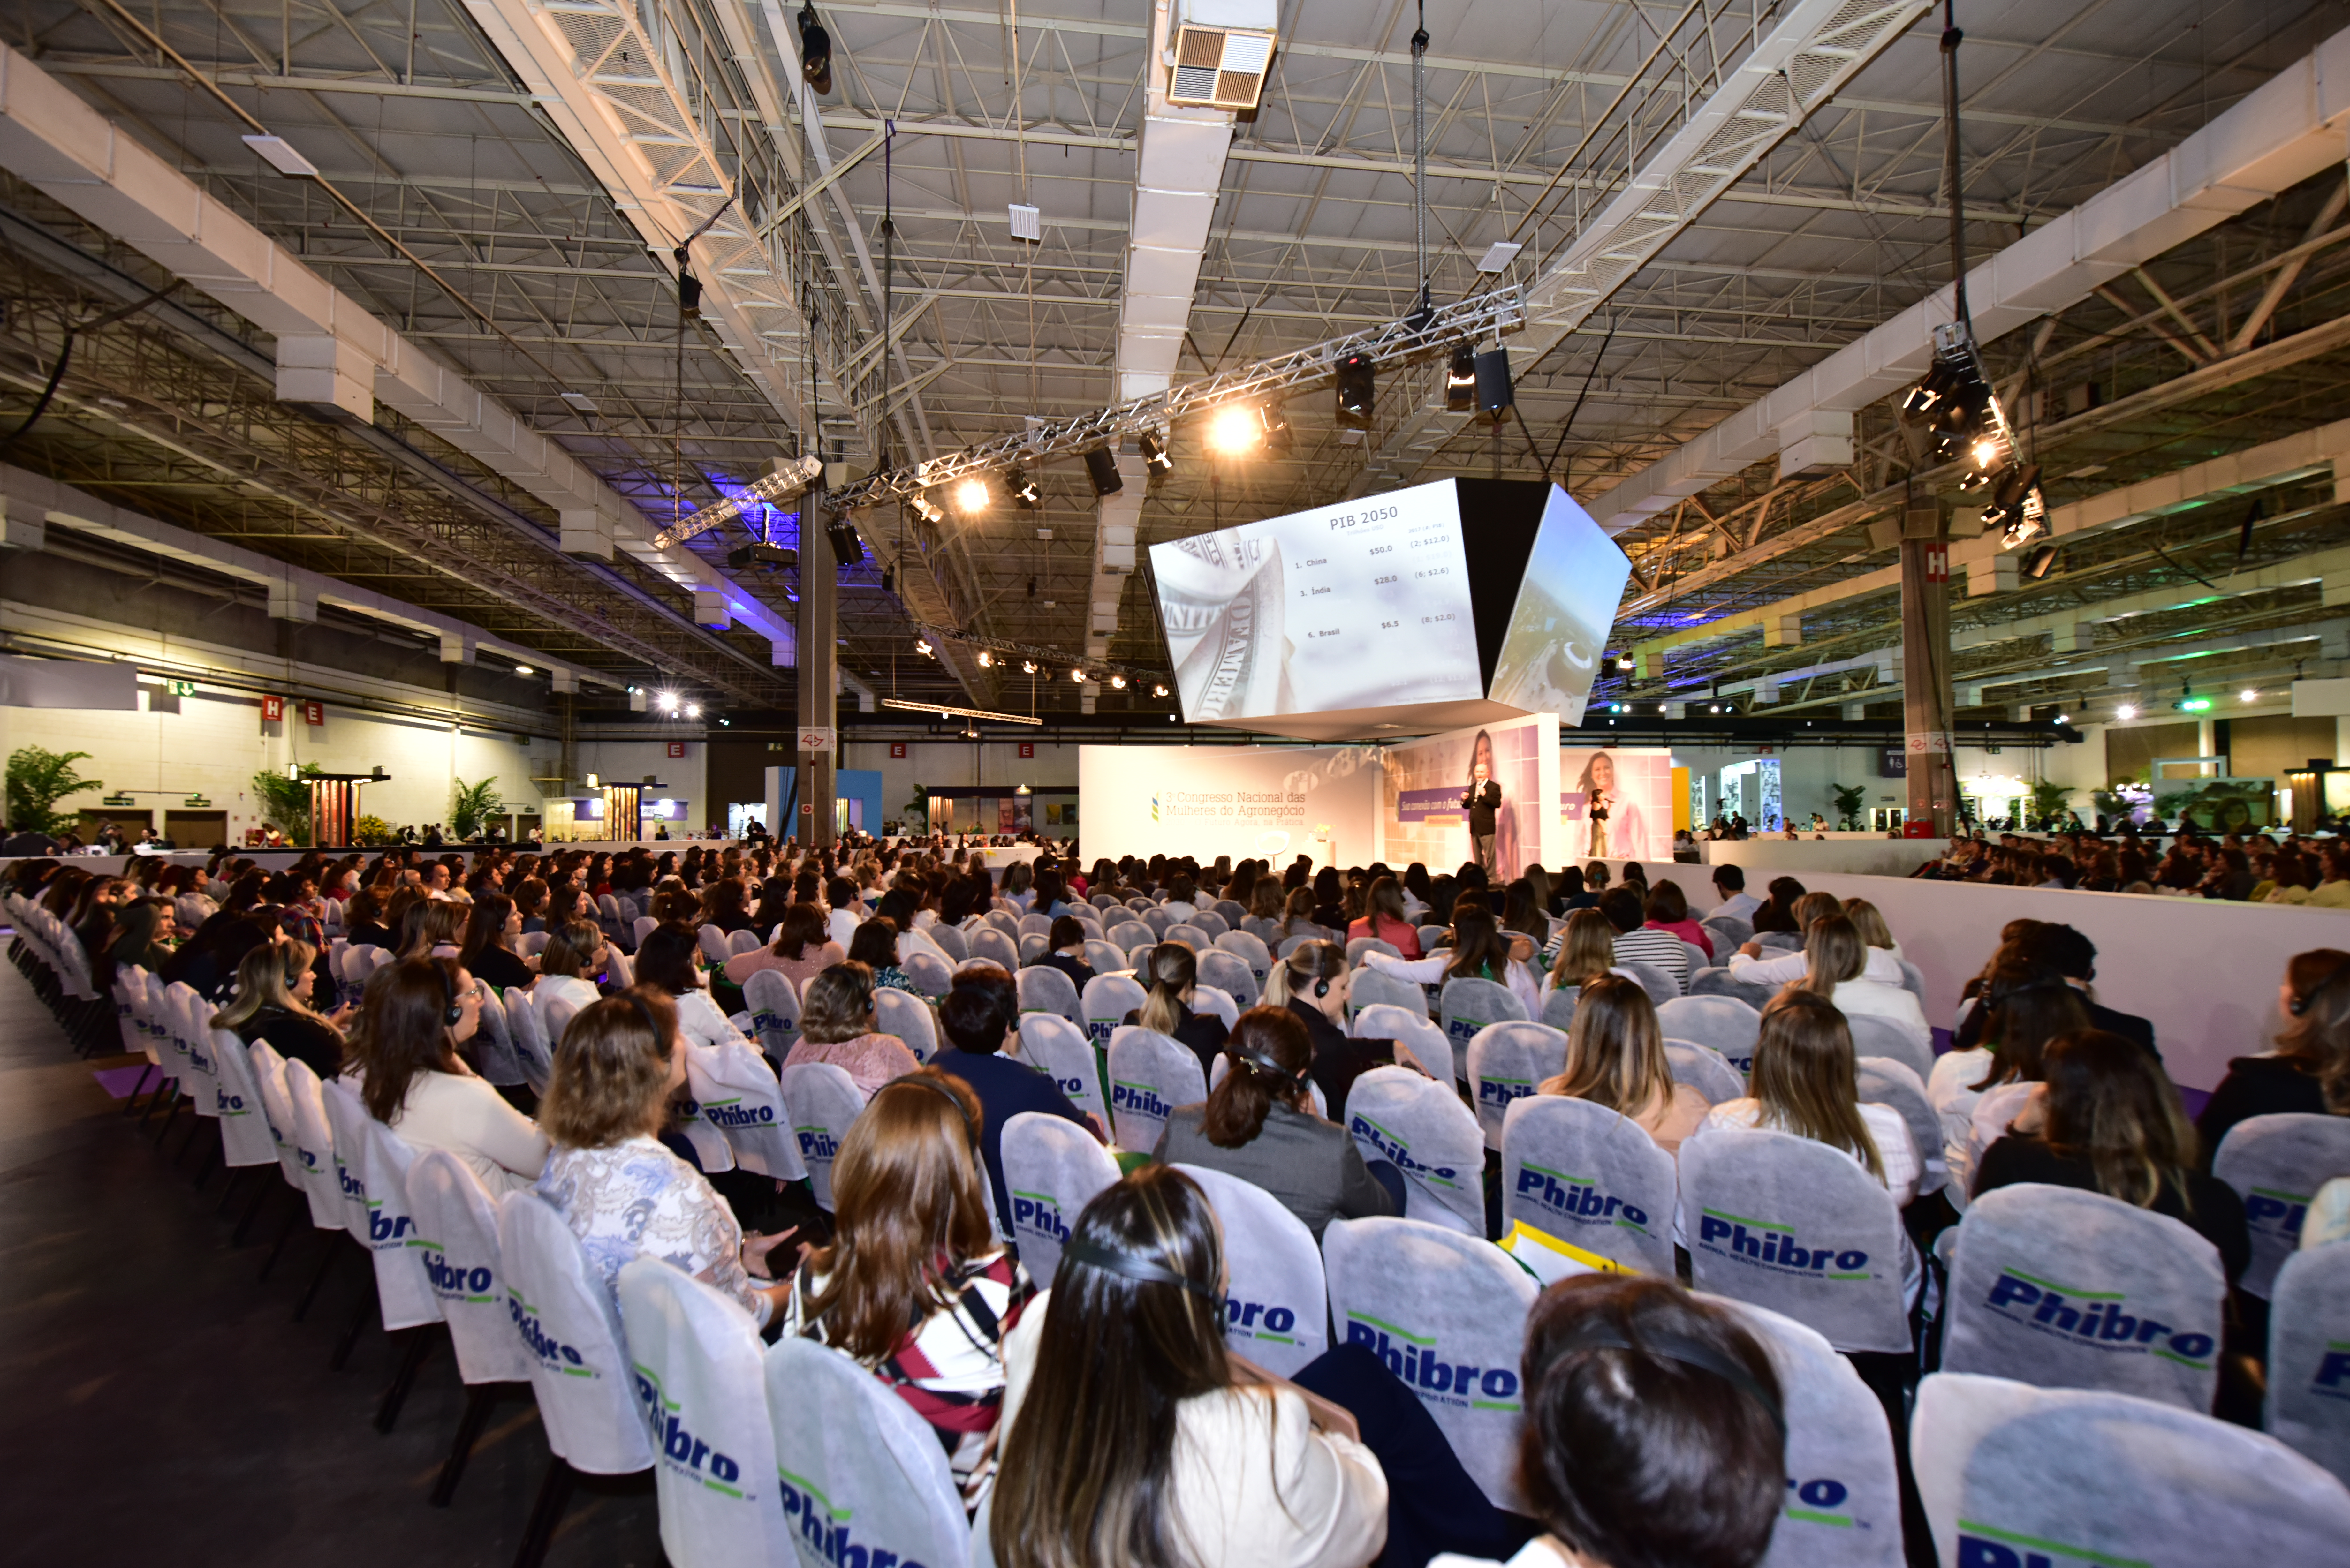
x=802, y=948
x=876, y=947
x=1481, y=949
x=2111, y=1122
x=1311, y=983
x=414, y=1081
x=1384, y=919
x=1174, y=981
x=1805, y=1084
x=1131, y=1435
x=1976, y=1093
x=1668, y=910
x=665, y=963
x=622, y=1193
x=140, y=936
x=1584, y=949
x=1655, y=1429
x=428, y=925
x=1777, y=913
x=1616, y=1058
x=915, y=1286
x=1836, y=967
x=2308, y=1074
x=573, y=956
x=274, y=985
x=1259, y=1125
x=837, y=1025
x=1065, y=950
x=487, y=951
x=723, y=905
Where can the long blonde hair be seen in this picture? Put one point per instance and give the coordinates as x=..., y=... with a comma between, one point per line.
x=1615, y=1053
x=1588, y=952
x=267, y=977
x=1805, y=1078
x=1870, y=921
x=1173, y=971
x=1837, y=954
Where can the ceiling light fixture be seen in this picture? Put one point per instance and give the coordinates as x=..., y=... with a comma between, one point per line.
x=970, y=496
x=986, y=659
x=522, y=669
x=1023, y=489
x=1234, y=430
x=2248, y=695
x=2126, y=713
x=1117, y=682
x=1078, y=676
x=816, y=52
x=1156, y=459
x=1499, y=255
x=693, y=710
x=667, y=702
x=1460, y=380
x=282, y=156
x=1159, y=692
x=1027, y=667
x=923, y=647
x=945, y=712
x=928, y=510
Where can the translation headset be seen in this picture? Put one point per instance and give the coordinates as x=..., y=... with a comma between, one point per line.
x=2301, y=1003
x=456, y=1010
x=644, y=1012
x=1142, y=1270
x=1599, y=1335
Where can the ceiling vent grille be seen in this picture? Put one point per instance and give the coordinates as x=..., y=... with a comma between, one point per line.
x=1219, y=67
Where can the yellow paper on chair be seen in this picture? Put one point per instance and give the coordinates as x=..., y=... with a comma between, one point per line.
x=1550, y=1260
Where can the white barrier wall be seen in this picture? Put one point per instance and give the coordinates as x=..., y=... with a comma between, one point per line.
x=2205, y=972
x=1866, y=854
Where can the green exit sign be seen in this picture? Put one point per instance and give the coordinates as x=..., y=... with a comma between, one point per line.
x=183, y=688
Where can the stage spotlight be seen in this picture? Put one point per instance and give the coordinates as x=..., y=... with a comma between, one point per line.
x=1356, y=385
x=1460, y=380
x=693, y=710
x=2126, y=713
x=928, y=510
x=923, y=647
x=816, y=52
x=970, y=496
x=1101, y=467
x=2037, y=564
x=1233, y=431
x=1027, y=667
x=1159, y=692
x=1494, y=392
x=1023, y=489
x=2248, y=695
x=1117, y=682
x=986, y=659
x=666, y=701
x=1275, y=429
x=1156, y=459
x=1078, y=676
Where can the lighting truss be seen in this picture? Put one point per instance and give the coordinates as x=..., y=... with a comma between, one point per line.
x=1391, y=344
x=1029, y=650
x=945, y=712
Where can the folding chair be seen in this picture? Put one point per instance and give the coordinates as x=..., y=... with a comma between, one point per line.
x=1229, y=974
x=1661, y=985
x=1725, y=1023
x=1043, y=989
x=1465, y=1006
x=1509, y=1061
x=1558, y=1007
x=1883, y=1037
x=1108, y=998
x=2309, y=1355
x=774, y=1010
x=2276, y=1163
x=1249, y=948
x=1052, y=1170
x=1706, y=1070
x=997, y=949
x=1367, y=987
x=1419, y=1126
x=908, y=1018
x=931, y=975
x=1359, y=946
x=950, y=941
x=1057, y=1048
x=740, y=1100
x=1591, y=1177
x=457, y=1232
x=1277, y=1301
x=1206, y=998
x=1893, y=1084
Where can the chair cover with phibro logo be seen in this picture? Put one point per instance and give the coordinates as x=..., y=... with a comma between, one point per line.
x=1419, y=1126
x=1466, y=1006
x=530, y=1042
x=1059, y=1049
x=346, y=1122
x=908, y=1018
x=1718, y=982
x=1219, y=1004
x=1150, y=1075
x=1386, y=1020
x=1108, y=1000
x=554, y=1014
x=689, y=1120
x=570, y=1324
x=775, y=1012
x=862, y=1477
x=1508, y=1062
x=1367, y=987
x=1883, y=1082
x=1724, y=1023
x=2064, y=1289
x=457, y=1226
x=1137, y=957
x=1883, y=1037
x=1044, y=989
x=2012, y=1476
x=1276, y=1302
x=1706, y=1070
x=1447, y=1313
x=1052, y=1169
x=694, y=1363
x=1229, y=973
x=189, y=1017
x=278, y=1110
x=2276, y=1163
x=822, y=1100
x=2309, y=1355
x=393, y=1239
x=1799, y=1227
x=246, y=1137
x=1591, y=1177
x=1661, y=985
x=314, y=1145
x=995, y=948
x=741, y=1101
x=1843, y=1507
x=1357, y=946
x=1103, y=957
x=492, y=1049
x=931, y=975
x=1249, y=948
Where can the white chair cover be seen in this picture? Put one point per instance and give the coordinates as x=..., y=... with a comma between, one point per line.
x=694, y=1362
x=1419, y=1126
x=530, y=1042
x=555, y=1017
x=1385, y=1021
x=1052, y=1169
x=314, y=1145
x=1883, y=1037
x=1059, y=1049
x=246, y=1137
x=1466, y=1006
x=1103, y=957
x=1357, y=946
x=2276, y=1164
x=1508, y=1062
x=1844, y=1493
x=949, y=941
x=393, y=1239
x=1706, y=1070
x=774, y=1009
x=868, y=1483
x=2014, y=1477
x=2309, y=1355
x=1032, y=948
x=1150, y=1075
x=742, y=941
x=1723, y=1022
x=1659, y=983
x=493, y=1046
x=1230, y=974
x=1276, y=1305
x=347, y=1121
x=1558, y=1007
x=1206, y=998
x=643, y=925
x=995, y=948
x=913, y=942
x=1367, y=987
x=457, y=1223
x=1718, y=982
x=571, y=1325
x=1108, y=1000
x=1447, y=1313
x=1797, y=1227
x=1883, y=1082
x=1045, y=990
x=908, y=1018
x=739, y=1097
x=1591, y=1177
x=1249, y=948
x=1035, y=925
x=269, y=1077
x=823, y=1100
x=931, y=975
x=2066, y=1289
x=711, y=1150
x=712, y=943
x=189, y=1017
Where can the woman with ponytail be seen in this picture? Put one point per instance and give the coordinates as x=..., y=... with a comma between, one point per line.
x=1312, y=983
x=1167, y=1010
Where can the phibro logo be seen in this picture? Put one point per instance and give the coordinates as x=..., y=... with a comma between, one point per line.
x=1071, y=1087
x=389, y=1229
x=1254, y=1320
x=1140, y=1098
x=816, y=1143
x=1429, y=1371
x=826, y=1528
x=1579, y=1199
x=1497, y=1093
x=2332, y=1379
x=2276, y=1215
x=2092, y=1317
x=1098, y=1031
x=1983, y=1546
x=734, y=1113
x=1463, y=1030
x=1396, y=1149
x=680, y=1449
x=1040, y=1213
x=1774, y=1246
x=1817, y=1501
x=228, y=1104
x=552, y=1353
x=452, y=1280
x=352, y=1186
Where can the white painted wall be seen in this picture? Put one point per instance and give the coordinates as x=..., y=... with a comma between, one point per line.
x=963, y=763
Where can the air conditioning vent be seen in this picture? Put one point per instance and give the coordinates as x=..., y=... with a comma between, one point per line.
x=1219, y=67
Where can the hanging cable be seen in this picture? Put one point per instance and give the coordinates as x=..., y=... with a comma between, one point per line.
x=889, y=282
x=1421, y=305
x=65, y=358
x=1951, y=38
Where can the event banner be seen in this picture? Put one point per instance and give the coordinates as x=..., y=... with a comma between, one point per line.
x=1634, y=786
x=1273, y=803
x=1431, y=783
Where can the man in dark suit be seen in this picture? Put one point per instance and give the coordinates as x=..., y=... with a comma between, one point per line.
x=2074, y=956
x=1481, y=805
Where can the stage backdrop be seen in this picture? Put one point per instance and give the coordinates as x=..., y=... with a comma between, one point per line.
x=1639, y=781
x=1427, y=779
x=1272, y=803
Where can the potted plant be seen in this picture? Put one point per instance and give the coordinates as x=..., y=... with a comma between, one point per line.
x=37, y=779
x=1849, y=799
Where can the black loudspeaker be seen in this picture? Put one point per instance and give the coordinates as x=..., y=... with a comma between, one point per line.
x=846, y=544
x=1494, y=390
x=1356, y=384
x=1101, y=467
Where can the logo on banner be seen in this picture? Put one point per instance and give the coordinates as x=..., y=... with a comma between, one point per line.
x=1154, y=808
x=273, y=710
x=2093, y=1317
x=1430, y=1371
x=1774, y=1246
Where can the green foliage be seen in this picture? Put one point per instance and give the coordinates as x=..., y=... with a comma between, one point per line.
x=37, y=779
x=372, y=829
x=287, y=802
x=2112, y=805
x=918, y=810
x=1849, y=799
x=2049, y=800
x=471, y=806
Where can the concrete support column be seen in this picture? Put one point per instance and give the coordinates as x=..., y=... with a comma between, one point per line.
x=1926, y=670
x=818, y=653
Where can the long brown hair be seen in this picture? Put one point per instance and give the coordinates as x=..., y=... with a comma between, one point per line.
x=1479, y=951
x=610, y=1077
x=2029, y=1006
x=1615, y=1052
x=911, y=1204
x=1588, y=952
x=1088, y=1476
x=1384, y=900
x=403, y=1031
x=2109, y=1104
x=1270, y=1053
x=1835, y=954
x=803, y=927
x=2318, y=1035
x=1173, y=971
x=840, y=1004
x=1805, y=1079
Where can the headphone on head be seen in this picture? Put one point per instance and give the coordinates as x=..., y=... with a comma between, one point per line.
x=2300, y=1004
x=1142, y=1270
x=970, y=1127
x=456, y=1010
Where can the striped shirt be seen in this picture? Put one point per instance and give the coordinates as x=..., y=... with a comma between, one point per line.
x=1659, y=950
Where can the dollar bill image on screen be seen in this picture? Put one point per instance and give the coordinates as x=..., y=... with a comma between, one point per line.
x=1566, y=602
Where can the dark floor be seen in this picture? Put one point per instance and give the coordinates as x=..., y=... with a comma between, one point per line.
x=162, y=1406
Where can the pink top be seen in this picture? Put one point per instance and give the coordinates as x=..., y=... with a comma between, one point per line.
x=1690, y=931
x=798, y=970
x=871, y=1059
x=1404, y=938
